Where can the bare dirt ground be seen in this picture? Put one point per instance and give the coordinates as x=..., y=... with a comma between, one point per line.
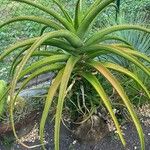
x=69, y=142
x=109, y=142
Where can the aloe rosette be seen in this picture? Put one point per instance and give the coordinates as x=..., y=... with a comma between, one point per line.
x=76, y=53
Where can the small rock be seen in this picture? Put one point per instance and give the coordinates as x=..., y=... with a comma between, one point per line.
x=135, y=147
x=74, y=142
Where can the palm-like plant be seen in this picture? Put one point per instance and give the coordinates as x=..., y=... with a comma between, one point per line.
x=77, y=55
x=140, y=41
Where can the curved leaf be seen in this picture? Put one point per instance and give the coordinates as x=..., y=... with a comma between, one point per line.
x=91, y=16
x=38, y=19
x=61, y=44
x=61, y=33
x=51, y=93
x=45, y=53
x=64, y=22
x=16, y=46
x=98, y=87
x=18, y=59
x=3, y=99
x=128, y=73
x=135, y=53
x=106, y=49
x=67, y=16
x=62, y=93
x=114, y=82
x=116, y=38
x=100, y=34
x=78, y=14
x=43, y=29
x=45, y=61
x=95, y=3
x=38, y=72
x=74, y=40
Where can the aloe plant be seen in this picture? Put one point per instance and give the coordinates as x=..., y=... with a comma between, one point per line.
x=78, y=54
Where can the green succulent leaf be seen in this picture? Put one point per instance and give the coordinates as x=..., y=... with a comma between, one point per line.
x=36, y=73
x=135, y=53
x=115, y=83
x=58, y=43
x=38, y=19
x=98, y=87
x=97, y=2
x=43, y=62
x=78, y=14
x=91, y=16
x=46, y=53
x=128, y=73
x=116, y=38
x=18, y=58
x=105, y=49
x=16, y=61
x=62, y=93
x=16, y=46
x=103, y=32
x=50, y=96
x=62, y=20
x=67, y=16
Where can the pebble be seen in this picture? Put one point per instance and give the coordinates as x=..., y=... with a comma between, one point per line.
x=135, y=147
x=74, y=142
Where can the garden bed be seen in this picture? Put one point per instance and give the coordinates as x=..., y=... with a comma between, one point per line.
x=68, y=140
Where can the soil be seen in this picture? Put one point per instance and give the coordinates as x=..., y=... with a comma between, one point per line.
x=68, y=141
x=6, y=129
x=79, y=139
